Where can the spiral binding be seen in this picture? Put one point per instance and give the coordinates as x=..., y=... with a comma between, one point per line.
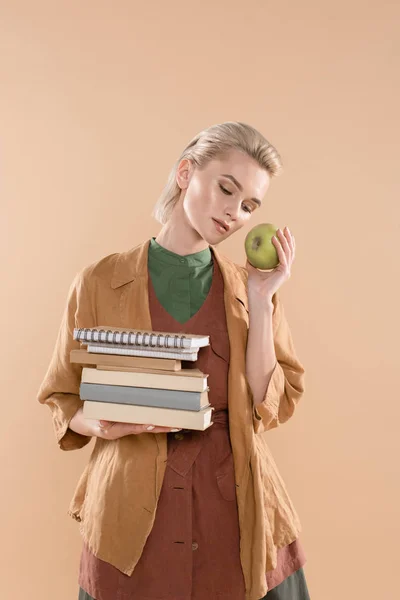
x=89, y=335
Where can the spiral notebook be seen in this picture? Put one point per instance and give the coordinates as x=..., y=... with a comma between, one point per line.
x=141, y=343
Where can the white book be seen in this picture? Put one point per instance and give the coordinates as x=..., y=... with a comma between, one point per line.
x=151, y=352
x=145, y=339
x=162, y=417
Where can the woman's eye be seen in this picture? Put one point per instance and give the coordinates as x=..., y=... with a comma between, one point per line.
x=225, y=190
x=245, y=207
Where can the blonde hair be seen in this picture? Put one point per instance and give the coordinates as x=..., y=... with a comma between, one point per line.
x=212, y=143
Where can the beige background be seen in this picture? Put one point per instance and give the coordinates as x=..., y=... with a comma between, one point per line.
x=97, y=101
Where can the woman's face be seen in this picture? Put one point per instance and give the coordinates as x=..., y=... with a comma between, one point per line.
x=228, y=189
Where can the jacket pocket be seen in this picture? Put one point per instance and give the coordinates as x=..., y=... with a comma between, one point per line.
x=77, y=504
x=219, y=344
x=243, y=303
x=283, y=520
x=78, y=500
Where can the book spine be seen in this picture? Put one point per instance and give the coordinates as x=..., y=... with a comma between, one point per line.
x=142, y=348
x=143, y=414
x=142, y=352
x=157, y=398
x=83, y=357
x=143, y=379
x=133, y=338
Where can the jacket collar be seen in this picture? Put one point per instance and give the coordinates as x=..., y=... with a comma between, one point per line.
x=132, y=265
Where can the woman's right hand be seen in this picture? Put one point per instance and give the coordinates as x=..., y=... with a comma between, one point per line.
x=109, y=430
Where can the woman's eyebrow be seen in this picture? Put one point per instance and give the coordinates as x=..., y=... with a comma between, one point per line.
x=239, y=185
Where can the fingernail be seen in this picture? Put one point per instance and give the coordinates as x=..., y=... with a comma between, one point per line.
x=176, y=429
x=150, y=427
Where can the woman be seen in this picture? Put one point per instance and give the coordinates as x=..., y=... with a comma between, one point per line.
x=190, y=515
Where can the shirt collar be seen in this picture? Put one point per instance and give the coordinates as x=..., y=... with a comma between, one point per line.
x=198, y=259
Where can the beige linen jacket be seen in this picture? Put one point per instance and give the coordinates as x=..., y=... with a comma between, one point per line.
x=115, y=500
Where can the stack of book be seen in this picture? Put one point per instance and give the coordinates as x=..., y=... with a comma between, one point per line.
x=132, y=376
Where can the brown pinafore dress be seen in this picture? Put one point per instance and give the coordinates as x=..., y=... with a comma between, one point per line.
x=192, y=552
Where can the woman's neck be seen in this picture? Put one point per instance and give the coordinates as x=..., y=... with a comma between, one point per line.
x=177, y=235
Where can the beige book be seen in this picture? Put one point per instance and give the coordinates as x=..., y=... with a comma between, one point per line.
x=172, y=381
x=184, y=372
x=83, y=357
x=162, y=417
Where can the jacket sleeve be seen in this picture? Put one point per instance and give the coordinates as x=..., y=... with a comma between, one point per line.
x=286, y=385
x=60, y=386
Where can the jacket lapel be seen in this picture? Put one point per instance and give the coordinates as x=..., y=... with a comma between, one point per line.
x=131, y=278
x=239, y=398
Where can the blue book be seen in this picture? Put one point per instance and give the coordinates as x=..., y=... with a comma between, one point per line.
x=139, y=396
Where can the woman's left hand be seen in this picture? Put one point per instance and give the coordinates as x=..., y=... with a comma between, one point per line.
x=262, y=285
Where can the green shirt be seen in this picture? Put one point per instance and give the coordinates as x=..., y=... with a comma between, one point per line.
x=181, y=283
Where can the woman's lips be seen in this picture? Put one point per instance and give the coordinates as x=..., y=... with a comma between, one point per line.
x=219, y=227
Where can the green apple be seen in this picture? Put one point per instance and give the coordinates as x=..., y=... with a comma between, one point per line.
x=259, y=247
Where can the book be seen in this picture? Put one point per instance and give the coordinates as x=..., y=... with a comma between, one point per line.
x=139, y=396
x=144, y=339
x=150, y=353
x=184, y=371
x=83, y=357
x=191, y=380
x=163, y=417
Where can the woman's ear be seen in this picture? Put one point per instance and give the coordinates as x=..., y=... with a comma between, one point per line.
x=184, y=173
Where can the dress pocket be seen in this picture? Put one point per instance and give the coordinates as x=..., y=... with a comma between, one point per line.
x=225, y=475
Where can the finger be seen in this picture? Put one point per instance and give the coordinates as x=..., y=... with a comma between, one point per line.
x=146, y=428
x=290, y=237
x=117, y=430
x=105, y=424
x=160, y=429
x=114, y=429
x=279, y=248
x=286, y=242
x=101, y=432
x=250, y=267
x=283, y=240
